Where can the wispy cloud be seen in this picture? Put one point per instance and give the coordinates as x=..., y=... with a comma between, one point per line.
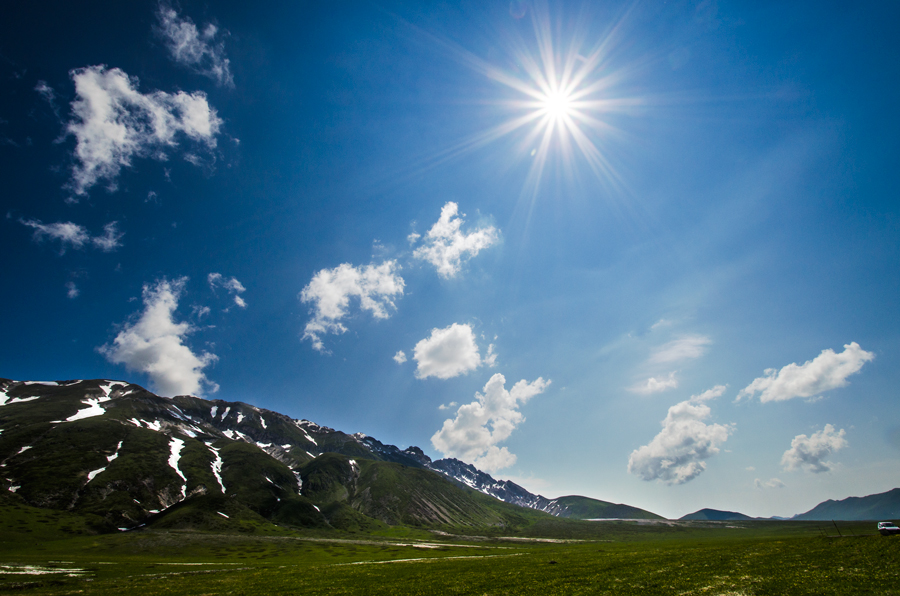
x=233, y=286
x=153, y=343
x=771, y=483
x=809, y=453
x=113, y=122
x=684, y=348
x=679, y=452
x=447, y=353
x=74, y=236
x=447, y=247
x=655, y=385
x=479, y=426
x=202, y=51
x=826, y=371
x=72, y=290
x=330, y=291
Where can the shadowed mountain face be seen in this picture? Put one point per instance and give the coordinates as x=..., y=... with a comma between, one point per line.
x=714, y=515
x=882, y=506
x=114, y=450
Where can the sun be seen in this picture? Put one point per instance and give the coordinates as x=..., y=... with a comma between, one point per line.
x=557, y=104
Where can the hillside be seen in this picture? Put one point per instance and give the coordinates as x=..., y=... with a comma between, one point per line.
x=882, y=506
x=126, y=458
x=714, y=515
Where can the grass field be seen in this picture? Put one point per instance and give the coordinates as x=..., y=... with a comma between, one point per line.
x=48, y=553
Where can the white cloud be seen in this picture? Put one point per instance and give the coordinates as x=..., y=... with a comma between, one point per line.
x=110, y=240
x=479, y=426
x=679, y=452
x=113, y=123
x=400, y=357
x=654, y=385
x=771, y=483
x=233, y=286
x=452, y=404
x=72, y=290
x=447, y=353
x=809, y=453
x=72, y=235
x=200, y=51
x=330, y=291
x=153, y=343
x=684, y=348
x=826, y=371
x=490, y=359
x=446, y=247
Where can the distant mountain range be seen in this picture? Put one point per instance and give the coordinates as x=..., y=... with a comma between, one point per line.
x=125, y=457
x=883, y=506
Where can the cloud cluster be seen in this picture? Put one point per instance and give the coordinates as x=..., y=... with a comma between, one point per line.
x=71, y=235
x=233, y=286
x=447, y=353
x=200, y=51
x=809, y=453
x=113, y=122
x=447, y=247
x=153, y=343
x=826, y=371
x=479, y=426
x=330, y=291
x=679, y=452
x=655, y=385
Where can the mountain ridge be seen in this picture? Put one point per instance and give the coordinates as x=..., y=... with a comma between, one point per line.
x=117, y=451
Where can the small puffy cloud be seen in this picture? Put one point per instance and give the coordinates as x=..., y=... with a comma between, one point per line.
x=400, y=357
x=679, y=452
x=201, y=51
x=233, y=286
x=684, y=348
x=826, y=371
x=479, y=426
x=153, y=343
x=72, y=290
x=113, y=122
x=330, y=291
x=447, y=353
x=452, y=404
x=771, y=483
x=655, y=385
x=809, y=453
x=446, y=247
x=71, y=235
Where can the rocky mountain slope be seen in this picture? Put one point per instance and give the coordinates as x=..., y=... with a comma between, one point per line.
x=125, y=457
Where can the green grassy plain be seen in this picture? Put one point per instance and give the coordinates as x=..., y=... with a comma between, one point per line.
x=49, y=552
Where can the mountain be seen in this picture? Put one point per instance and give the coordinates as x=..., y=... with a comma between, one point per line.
x=882, y=506
x=571, y=507
x=123, y=457
x=714, y=515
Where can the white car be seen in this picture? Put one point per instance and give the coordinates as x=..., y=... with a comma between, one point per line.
x=888, y=528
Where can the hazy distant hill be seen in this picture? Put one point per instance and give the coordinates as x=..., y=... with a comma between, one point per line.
x=714, y=515
x=124, y=457
x=882, y=506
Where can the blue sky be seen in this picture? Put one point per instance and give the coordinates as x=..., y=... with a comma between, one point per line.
x=642, y=252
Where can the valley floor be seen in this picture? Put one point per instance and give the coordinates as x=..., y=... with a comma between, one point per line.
x=704, y=559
